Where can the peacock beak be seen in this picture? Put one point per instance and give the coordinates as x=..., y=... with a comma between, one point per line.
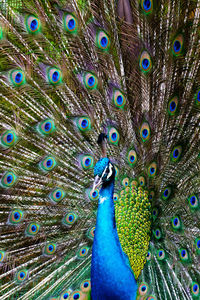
x=97, y=182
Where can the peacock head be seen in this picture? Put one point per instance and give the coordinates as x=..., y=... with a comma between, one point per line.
x=104, y=172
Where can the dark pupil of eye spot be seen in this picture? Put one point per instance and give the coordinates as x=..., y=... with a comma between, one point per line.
x=9, y=178
x=71, y=218
x=55, y=76
x=141, y=182
x=33, y=24
x=114, y=136
x=33, y=228
x=150, y=197
x=177, y=46
x=147, y=4
x=176, y=152
x=198, y=96
x=66, y=296
x=145, y=63
x=50, y=248
x=47, y=126
x=175, y=221
x=9, y=137
x=192, y=200
x=22, y=275
x=49, y=163
x=144, y=132
x=71, y=23
x=143, y=288
x=84, y=123
x=195, y=288
x=148, y=254
x=152, y=170
x=18, y=77
x=104, y=41
x=132, y=158
x=160, y=253
x=154, y=212
x=94, y=194
x=76, y=296
x=157, y=233
x=183, y=253
x=58, y=194
x=172, y=106
x=16, y=216
x=198, y=244
x=83, y=251
x=87, y=162
x=91, y=80
x=86, y=284
x=119, y=99
x=165, y=193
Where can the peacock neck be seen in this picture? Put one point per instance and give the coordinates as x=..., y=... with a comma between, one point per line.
x=106, y=211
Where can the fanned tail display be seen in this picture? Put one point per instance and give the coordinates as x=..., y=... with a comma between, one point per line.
x=70, y=71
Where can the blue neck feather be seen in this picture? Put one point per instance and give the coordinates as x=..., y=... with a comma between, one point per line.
x=111, y=275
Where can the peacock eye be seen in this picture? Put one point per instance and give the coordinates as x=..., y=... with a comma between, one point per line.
x=141, y=180
x=8, y=180
x=157, y=234
x=145, y=62
x=160, y=254
x=152, y=169
x=193, y=201
x=48, y=164
x=148, y=256
x=147, y=6
x=115, y=197
x=70, y=23
x=46, y=127
x=172, y=106
x=90, y=81
x=49, y=249
x=103, y=41
x=15, y=217
x=132, y=157
x=87, y=162
x=113, y=136
x=176, y=153
x=94, y=195
x=197, y=97
x=143, y=288
x=54, y=76
x=32, y=229
x=166, y=193
x=155, y=213
x=125, y=182
x=91, y=232
x=184, y=255
x=57, y=195
x=2, y=256
x=145, y=132
x=86, y=286
x=17, y=77
x=69, y=219
x=84, y=124
x=176, y=222
x=21, y=276
x=82, y=252
x=32, y=24
x=177, y=45
x=119, y=99
x=195, y=289
x=8, y=139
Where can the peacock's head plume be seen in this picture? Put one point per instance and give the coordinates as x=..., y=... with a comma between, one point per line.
x=104, y=172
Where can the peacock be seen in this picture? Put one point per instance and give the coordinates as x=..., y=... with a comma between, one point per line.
x=99, y=149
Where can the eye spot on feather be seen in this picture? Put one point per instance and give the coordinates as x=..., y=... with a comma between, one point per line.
x=86, y=286
x=17, y=77
x=177, y=45
x=49, y=249
x=69, y=219
x=125, y=182
x=21, y=276
x=65, y=294
x=46, y=127
x=166, y=193
x=113, y=136
x=142, y=180
x=145, y=132
x=119, y=99
x=90, y=81
x=48, y=164
x=82, y=252
x=15, y=217
x=176, y=153
x=145, y=62
x=102, y=41
x=184, y=255
x=147, y=6
x=172, y=106
x=57, y=195
x=32, y=229
x=8, y=179
x=157, y=234
x=54, y=76
x=87, y=162
x=152, y=169
x=91, y=232
x=115, y=197
x=84, y=124
x=143, y=289
x=176, y=222
x=148, y=256
x=193, y=201
x=2, y=256
x=94, y=195
x=33, y=24
x=197, y=97
x=195, y=289
x=8, y=138
x=70, y=23
x=132, y=157
x=160, y=254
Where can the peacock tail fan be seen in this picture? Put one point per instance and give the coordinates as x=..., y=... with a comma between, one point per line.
x=70, y=70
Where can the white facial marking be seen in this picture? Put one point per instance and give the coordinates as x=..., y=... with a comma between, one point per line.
x=110, y=171
x=102, y=199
